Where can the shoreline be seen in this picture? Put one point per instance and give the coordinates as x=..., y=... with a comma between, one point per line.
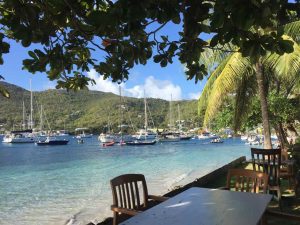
x=202, y=181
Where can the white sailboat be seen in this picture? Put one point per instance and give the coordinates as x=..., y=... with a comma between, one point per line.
x=116, y=137
x=107, y=137
x=171, y=135
x=144, y=136
x=23, y=136
x=182, y=135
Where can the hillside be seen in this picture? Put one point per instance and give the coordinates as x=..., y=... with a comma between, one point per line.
x=93, y=109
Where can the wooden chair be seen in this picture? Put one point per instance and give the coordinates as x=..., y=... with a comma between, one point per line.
x=130, y=195
x=268, y=161
x=247, y=181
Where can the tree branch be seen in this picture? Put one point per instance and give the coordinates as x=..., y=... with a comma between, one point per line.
x=160, y=27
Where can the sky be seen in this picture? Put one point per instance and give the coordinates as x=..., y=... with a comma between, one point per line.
x=157, y=82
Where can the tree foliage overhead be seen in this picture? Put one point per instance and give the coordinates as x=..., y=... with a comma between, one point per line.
x=113, y=36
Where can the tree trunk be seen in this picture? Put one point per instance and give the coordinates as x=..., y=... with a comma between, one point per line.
x=292, y=133
x=281, y=135
x=263, y=104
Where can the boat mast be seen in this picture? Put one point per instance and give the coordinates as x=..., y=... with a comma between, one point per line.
x=146, y=116
x=23, y=122
x=41, y=119
x=179, y=121
x=171, y=120
x=31, y=108
x=121, y=114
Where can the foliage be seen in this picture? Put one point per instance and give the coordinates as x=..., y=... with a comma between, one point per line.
x=235, y=75
x=113, y=36
x=281, y=110
x=91, y=109
x=224, y=118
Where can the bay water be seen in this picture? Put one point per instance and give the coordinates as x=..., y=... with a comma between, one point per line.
x=70, y=184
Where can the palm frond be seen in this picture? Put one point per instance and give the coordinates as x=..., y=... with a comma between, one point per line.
x=203, y=99
x=285, y=67
x=244, y=94
x=293, y=29
x=213, y=57
x=227, y=83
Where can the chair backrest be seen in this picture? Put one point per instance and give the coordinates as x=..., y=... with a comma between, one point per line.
x=247, y=181
x=126, y=191
x=267, y=161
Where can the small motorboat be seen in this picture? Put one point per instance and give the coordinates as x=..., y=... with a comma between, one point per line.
x=216, y=141
x=107, y=144
x=52, y=141
x=140, y=142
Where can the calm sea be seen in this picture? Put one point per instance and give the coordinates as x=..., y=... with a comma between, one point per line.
x=70, y=184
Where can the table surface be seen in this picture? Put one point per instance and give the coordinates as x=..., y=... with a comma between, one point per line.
x=202, y=206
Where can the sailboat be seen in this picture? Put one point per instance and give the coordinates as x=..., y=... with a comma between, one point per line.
x=120, y=137
x=144, y=136
x=107, y=137
x=182, y=135
x=171, y=135
x=25, y=135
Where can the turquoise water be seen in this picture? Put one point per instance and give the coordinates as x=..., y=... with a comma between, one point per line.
x=70, y=184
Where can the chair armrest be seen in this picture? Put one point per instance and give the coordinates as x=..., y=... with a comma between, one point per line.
x=157, y=198
x=130, y=212
x=282, y=215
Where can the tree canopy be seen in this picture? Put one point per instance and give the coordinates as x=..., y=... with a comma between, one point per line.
x=113, y=36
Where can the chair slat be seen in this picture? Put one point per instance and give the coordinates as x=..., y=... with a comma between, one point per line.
x=121, y=196
x=133, y=197
x=128, y=196
x=137, y=194
x=124, y=196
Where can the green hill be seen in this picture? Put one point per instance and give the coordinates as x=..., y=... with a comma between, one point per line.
x=92, y=109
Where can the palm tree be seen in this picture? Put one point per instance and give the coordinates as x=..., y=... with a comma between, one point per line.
x=238, y=75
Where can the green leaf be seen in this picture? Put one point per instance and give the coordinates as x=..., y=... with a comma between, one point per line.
x=32, y=55
x=157, y=58
x=286, y=46
x=176, y=19
x=164, y=62
x=26, y=42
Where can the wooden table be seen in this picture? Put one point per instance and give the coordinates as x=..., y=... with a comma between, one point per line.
x=201, y=206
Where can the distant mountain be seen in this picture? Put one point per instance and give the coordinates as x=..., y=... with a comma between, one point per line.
x=92, y=109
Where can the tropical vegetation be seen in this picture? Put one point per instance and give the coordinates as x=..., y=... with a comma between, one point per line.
x=273, y=79
x=93, y=109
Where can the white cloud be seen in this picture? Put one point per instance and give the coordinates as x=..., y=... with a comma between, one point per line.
x=194, y=95
x=154, y=88
x=101, y=84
